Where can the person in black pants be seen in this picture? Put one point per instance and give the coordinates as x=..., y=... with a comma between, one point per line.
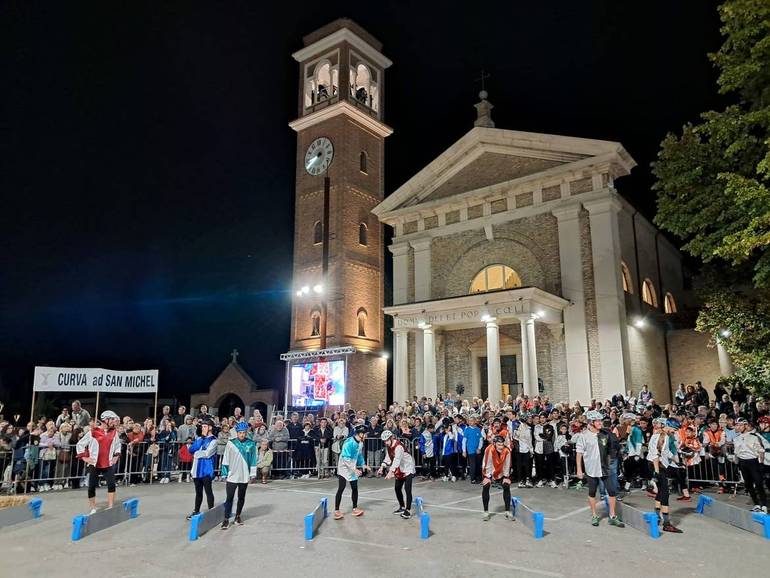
x=750, y=452
x=400, y=465
x=204, y=450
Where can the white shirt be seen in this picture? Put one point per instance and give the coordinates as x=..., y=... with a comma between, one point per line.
x=587, y=443
x=748, y=446
x=538, y=439
x=664, y=455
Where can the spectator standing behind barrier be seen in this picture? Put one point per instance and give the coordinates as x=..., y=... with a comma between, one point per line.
x=50, y=442
x=167, y=449
x=264, y=460
x=324, y=434
x=374, y=446
x=304, y=454
x=203, y=450
x=79, y=415
x=222, y=438
x=64, y=416
x=341, y=433
x=100, y=448
x=472, y=449
x=428, y=452
x=181, y=412
x=279, y=442
x=187, y=429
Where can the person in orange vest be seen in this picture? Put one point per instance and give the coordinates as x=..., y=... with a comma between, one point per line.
x=496, y=466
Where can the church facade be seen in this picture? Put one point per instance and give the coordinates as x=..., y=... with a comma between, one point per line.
x=518, y=268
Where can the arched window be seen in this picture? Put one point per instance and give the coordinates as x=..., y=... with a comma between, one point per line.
x=669, y=305
x=363, y=234
x=648, y=293
x=318, y=233
x=362, y=322
x=626, y=274
x=315, y=323
x=495, y=277
x=362, y=162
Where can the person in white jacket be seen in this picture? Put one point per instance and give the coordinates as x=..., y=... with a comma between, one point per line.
x=100, y=449
x=400, y=465
x=523, y=436
x=239, y=466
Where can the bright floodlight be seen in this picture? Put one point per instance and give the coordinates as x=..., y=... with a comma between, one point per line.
x=385, y=355
x=639, y=323
x=725, y=333
x=422, y=325
x=299, y=293
x=318, y=288
x=486, y=318
x=540, y=313
x=305, y=290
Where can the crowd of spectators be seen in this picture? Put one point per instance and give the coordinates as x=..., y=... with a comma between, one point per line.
x=446, y=436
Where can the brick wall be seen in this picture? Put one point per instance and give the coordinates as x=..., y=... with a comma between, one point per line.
x=648, y=361
x=692, y=359
x=367, y=380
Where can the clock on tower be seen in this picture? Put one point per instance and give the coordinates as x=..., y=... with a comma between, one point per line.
x=338, y=242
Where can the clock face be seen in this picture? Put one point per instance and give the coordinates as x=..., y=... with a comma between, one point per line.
x=319, y=156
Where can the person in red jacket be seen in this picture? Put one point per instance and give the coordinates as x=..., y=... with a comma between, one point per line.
x=100, y=449
x=496, y=467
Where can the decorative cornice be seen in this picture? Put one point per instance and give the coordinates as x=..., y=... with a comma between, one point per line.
x=343, y=35
x=368, y=122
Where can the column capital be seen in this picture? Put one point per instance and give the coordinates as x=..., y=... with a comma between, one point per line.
x=566, y=212
x=399, y=249
x=398, y=330
x=603, y=205
x=491, y=323
x=421, y=244
x=526, y=317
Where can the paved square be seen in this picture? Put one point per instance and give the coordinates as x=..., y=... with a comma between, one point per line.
x=377, y=544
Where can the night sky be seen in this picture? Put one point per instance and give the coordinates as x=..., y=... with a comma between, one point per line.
x=147, y=169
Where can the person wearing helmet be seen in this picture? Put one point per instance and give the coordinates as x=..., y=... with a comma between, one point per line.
x=400, y=465
x=239, y=467
x=750, y=452
x=203, y=449
x=496, y=467
x=100, y=449
x=592, y=450
x=661, y=457
x=350, y=466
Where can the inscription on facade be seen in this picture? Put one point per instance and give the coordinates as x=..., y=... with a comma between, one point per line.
x=462, y=315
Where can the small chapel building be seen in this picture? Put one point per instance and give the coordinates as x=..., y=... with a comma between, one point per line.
x=518, y=268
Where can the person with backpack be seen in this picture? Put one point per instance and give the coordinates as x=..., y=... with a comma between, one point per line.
x=400, y=465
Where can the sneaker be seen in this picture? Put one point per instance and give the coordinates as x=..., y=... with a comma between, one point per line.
x=671, y=528
x=509, y=516
x=540, y=484
x=305, y=477
x=487, y=516
x=756, y=509
x=474, y=482
x=191, y=514
x=92, y=512
x=454, y=479
x=553, y=484
x=338, y=515
x=398, y=510
x=627, y=486
x=358, y=512
x=764, y=509
x=406, y=514
x=445, y=479
x=619, y=498
x=529, y=484
x=617, y=522
x=684, y=499
x=522, y=485
x=651, y=494
x=225, y=525
x=238, y=521
x=594, y=520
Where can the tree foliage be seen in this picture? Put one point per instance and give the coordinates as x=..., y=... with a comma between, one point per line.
x=713, y=186
x=714, y=179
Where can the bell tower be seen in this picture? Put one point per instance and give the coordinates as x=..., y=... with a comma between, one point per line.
x=338, y=242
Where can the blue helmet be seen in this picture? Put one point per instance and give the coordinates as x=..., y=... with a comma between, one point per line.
x=241, y=426
x=672, y=423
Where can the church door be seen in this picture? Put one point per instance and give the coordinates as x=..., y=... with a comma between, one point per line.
x=507, y=373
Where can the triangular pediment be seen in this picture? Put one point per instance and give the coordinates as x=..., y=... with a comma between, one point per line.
x=486, y=157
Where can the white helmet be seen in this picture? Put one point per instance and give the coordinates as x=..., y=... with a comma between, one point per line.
x=386, y=435
x=108, y=414
x=594, y=416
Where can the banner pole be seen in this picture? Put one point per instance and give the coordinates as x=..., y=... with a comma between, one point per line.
x=32, y=408
x=155, y=411
x=96, y=413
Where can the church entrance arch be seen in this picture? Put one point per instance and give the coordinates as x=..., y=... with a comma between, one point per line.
x=227, y=404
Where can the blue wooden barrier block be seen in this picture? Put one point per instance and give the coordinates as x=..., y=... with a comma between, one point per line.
x=764, y=519
x=84, y=525
x=314, y=519
x=535, y=521
x=22, y=513
x=423, y=517
x=637, y=519
x=755, y=522
x=205, y=521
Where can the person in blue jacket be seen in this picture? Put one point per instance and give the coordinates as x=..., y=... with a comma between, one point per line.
x=350, y=467
x=204, y=450
x=472, y=449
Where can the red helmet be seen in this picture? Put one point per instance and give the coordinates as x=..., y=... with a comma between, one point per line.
x=764, y=419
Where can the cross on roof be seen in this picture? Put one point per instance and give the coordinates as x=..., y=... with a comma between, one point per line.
x=482, y=78
x=234, y=354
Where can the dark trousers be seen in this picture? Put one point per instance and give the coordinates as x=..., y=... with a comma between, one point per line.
x=230, y=488
x=524, y=466
x=474, y=467
x=540, y=467
x=201, y=485
x=506, y=495
x=663, y=491
x=751, y=470
x=429, y=467
x=341, y=482
x=93, y=479
x=404, y=484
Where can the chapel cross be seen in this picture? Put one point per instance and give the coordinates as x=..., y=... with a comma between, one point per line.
x=483, y=77
x=234, y=355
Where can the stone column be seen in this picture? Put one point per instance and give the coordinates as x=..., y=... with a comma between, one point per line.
x=524, y=354
x=429, y=362
x=575, y=334
x=419, y=373
x=422, y=269
x=400, y=365
x=494, y=377
x=400, y=272
x=531, y=388
x=614, y=359
x=725, y=363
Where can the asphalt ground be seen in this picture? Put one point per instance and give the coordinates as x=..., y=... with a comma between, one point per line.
x=378, y=543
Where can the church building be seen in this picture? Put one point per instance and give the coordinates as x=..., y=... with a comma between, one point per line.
x=517, y=266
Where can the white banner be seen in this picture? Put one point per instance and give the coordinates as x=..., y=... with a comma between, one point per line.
x=95, y=379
